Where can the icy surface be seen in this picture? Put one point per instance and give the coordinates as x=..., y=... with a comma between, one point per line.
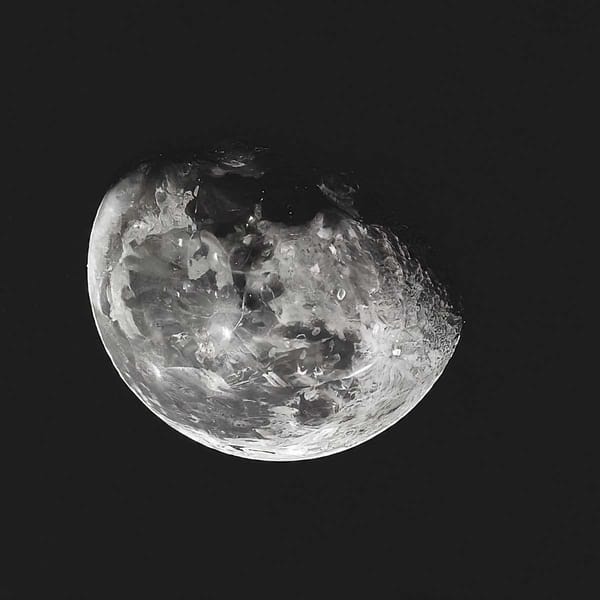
x=252, y=333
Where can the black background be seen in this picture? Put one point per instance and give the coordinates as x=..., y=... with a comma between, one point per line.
x=474, y=119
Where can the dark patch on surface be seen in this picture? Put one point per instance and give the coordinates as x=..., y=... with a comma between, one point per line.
x=208, y=281
x=202, y=252
x=313, y=412
x=239, y=257
x=272, y=288
x=239, y=281
x=252, y=301
x=343, y=348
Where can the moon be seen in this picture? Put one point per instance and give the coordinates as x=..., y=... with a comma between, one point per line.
x=249, y=306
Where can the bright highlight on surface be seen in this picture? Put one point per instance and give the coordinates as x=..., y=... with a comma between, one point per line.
x=250, y=308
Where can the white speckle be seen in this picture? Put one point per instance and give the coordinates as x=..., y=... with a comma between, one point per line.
x=315, y=269
x=332, y=249
x=300, y=369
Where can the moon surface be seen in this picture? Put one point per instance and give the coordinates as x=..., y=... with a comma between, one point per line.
x=250, y=307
